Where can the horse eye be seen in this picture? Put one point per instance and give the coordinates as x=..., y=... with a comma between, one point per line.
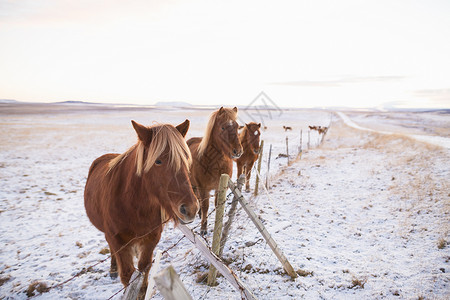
x=223, y=128
x=158, y=162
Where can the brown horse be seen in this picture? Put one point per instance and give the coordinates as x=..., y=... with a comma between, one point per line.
x=130, y=196
x=212, y=156
x=249, y=138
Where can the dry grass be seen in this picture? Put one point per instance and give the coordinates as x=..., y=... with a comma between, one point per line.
x=358, y=283
x=36, y=286
x=442, y=243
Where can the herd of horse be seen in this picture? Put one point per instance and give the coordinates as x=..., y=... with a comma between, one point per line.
x=130, y=196
x=319, y=129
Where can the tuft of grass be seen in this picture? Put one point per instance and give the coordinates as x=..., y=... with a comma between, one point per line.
x=79, y=245
x=4, y=279
x=442, y=243
x=358, y=283
x=304, y=273
x=40, y=287
x=104, y=251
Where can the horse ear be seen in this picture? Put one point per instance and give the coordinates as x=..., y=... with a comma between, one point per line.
x=259, y=125
x=220, y=110
x=144, y=134
x=183, y=127
x=235, y=109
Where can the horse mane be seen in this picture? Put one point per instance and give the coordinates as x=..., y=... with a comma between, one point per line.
x=231, y=115
x=242, y=134
x=164, y=136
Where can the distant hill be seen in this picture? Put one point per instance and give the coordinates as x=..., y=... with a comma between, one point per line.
x=74, y=102
x=8, y=101
x=173, y=104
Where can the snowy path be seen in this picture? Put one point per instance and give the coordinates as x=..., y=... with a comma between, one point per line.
x=431, y=139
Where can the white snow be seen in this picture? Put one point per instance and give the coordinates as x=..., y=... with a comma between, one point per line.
x=364, y=212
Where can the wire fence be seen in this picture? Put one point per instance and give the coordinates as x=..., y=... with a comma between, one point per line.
x=195, y=261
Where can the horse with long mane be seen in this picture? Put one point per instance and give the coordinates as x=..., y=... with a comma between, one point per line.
x=131, y=196
x=249, y=138
x=213, y=156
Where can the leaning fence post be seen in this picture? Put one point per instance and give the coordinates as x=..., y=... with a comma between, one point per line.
x=132, y=290
x=171, y=286
x=268, y=167
x=231, y=213
x=217, y=262
x=261, y=147
x=262, y=229
x=218, y=225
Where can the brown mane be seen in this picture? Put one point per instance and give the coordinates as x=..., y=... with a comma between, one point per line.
x=165, y=136
x=232, y=116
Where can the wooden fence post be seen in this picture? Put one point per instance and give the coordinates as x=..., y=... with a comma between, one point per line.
x=309, y=139
x=261, y=147
x=300, y=147
x=218, y=225
x=231, y=213
x=268, y=167
x=151, y=276
x=171, y=286
x=132, y=290
x=287, y=150
x=262, y=229
x=216, y=261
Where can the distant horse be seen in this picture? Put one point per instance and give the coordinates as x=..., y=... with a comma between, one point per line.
x=249, y=138
x=286, y=128
x=322, y=129
x=130, y=196
x=319, y=129
x=212, y=156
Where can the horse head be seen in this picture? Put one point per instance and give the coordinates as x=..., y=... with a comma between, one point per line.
x=165, y=169
x=225, y=132
x=252, y=135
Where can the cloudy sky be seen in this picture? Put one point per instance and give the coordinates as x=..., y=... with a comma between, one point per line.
x=300, y=53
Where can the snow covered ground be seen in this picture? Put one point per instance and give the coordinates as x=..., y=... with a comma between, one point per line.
x=365, y=214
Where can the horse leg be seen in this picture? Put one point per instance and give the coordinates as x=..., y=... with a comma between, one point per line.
x=145, y=260
x=197, y=194
x=204, y=196
x=123, y=256
x=113, y=269
x=239, y=169
x=248, y=174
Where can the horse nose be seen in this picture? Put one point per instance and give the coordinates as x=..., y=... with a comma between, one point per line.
x=187, y=213
x=237, y=153
x=183, y=209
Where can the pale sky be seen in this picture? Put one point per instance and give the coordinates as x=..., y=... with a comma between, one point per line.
x=300, y=53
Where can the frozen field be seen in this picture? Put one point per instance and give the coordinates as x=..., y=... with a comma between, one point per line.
x=365, y=214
